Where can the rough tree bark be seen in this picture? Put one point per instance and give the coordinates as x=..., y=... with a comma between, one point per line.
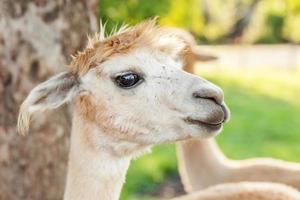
x=36, y=40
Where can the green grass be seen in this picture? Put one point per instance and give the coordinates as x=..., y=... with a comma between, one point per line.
x=148, y=171
x=265, y=106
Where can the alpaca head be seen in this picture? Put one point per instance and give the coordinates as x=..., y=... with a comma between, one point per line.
x=132, y=86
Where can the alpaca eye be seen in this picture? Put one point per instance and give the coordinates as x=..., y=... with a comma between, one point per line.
x=127, y=80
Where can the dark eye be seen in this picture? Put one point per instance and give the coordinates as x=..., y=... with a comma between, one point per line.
x=128, y=80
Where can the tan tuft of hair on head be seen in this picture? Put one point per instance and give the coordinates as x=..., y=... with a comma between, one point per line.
x=122, y=40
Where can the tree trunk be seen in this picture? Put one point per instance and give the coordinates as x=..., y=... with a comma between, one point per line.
x=36, y=40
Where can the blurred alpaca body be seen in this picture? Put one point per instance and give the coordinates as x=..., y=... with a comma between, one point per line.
x=202, y=164
x=245, y=191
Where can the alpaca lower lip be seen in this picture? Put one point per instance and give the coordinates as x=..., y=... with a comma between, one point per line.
x=214, y=126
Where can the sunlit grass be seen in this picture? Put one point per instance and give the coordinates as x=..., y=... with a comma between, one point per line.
x=265, y=106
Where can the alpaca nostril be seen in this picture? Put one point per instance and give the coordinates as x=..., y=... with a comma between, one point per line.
x=210, y=95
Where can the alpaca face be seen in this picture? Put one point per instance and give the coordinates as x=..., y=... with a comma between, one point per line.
x=145, y=97
x=131, y=86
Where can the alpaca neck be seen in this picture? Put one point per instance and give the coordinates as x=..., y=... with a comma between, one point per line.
x=210, y=165
x=94, y=172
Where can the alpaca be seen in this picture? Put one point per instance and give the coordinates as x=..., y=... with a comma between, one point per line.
x=129, y=93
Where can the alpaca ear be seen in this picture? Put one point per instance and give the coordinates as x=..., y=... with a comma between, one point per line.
x=204, y=57
x=200, y=56
x=50, y=94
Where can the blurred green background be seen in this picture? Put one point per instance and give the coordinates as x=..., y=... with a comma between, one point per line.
x=214, y=21
x=265, y=103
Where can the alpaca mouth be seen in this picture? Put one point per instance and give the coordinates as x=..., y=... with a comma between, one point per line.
x=208, y=125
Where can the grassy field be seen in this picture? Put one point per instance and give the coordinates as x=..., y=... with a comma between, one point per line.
x=265, y=106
